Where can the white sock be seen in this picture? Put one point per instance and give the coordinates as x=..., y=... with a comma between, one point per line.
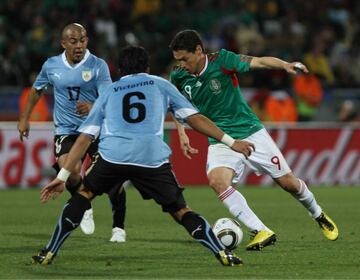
x=238, y=207
x=307, y=198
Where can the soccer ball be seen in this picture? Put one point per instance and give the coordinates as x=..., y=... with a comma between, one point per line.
x=229, y=233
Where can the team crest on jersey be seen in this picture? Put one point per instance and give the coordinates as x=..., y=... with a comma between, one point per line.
x=215, y=86
x=86, y=75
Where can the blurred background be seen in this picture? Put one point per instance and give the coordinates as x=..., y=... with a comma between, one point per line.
x=323, y=34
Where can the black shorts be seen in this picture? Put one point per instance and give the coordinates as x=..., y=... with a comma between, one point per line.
x=153, y=183
x=63, y=144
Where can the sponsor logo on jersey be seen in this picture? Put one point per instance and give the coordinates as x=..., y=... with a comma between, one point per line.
x=86, y=75
x=56, y=75
x=198, y=84
x=215, y=86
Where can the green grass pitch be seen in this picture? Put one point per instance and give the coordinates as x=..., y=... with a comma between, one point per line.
x=158, y=248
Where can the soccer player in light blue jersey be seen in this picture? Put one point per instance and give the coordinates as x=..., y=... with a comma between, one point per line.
x=77, y=78
x=129, y=117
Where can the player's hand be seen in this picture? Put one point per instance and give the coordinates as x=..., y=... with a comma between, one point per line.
x=83, y=108
x=23, y=128
x=186, y=147
x=52, y=190
x=244, y=147
x=295, y=68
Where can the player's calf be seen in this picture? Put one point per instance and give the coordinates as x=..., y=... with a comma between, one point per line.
x=69, y=220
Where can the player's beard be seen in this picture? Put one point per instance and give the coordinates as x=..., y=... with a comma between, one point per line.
x=78, y=56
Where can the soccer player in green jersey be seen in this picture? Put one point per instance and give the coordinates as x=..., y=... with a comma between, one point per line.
x=209, y=81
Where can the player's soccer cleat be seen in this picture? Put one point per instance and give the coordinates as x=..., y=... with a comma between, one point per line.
x=261, y=239
x=328, y=227
x=228, y=258
x=118, y=235
x=87, y=224
x=44, y=258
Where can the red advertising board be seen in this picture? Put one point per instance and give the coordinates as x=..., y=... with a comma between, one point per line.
x=23, y=163
x=319, y=155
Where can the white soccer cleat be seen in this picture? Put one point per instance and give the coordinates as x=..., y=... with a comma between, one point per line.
x=118, y=235
x=87, y=224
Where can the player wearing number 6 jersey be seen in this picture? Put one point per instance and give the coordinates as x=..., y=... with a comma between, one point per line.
x=77, y=77
x=129, y=117
x=209, y=81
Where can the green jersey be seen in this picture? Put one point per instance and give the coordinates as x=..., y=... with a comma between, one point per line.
x=217, y=95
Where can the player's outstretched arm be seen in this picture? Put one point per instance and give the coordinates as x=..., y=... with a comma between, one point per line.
x=24, y=124
x=206, y=127
x=184, y=139
x=276, y=63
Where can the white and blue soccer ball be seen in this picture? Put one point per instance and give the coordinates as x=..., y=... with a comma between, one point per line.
x=229, y=232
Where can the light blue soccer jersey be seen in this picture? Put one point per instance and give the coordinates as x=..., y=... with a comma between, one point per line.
x=129, y=116
x=81, y=82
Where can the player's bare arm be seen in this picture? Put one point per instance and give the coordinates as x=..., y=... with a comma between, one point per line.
x=83, y=108
x=24, y=124
x=184, y=140
x=276, y=63
x=205, y=126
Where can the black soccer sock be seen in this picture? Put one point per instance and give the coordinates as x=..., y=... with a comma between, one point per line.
x=201, y=231
x=69, y=220
x=118, y=205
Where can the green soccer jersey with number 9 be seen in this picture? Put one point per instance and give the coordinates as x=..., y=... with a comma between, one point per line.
x=217, y=95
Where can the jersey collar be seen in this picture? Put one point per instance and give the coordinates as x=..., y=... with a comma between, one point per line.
x=63, y=56
x=205, y=66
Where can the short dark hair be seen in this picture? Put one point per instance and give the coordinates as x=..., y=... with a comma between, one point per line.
x=133, y=60
x=186, y=40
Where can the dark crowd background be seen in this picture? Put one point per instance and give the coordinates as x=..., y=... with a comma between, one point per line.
x=323, y=34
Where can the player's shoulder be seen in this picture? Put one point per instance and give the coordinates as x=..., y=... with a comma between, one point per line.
x=52, y=60
x=213, y=56
x=177, y=73
x=96, y=60
x=157, y=79
x=224, y=53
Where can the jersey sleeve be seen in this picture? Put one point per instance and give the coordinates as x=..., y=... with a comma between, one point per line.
x=238, y=62
x=93, y=122
x=103, y=78
x=42, y=79
x=173, y=77
x=178, y=104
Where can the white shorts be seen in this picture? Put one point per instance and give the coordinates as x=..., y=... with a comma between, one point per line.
x=266, y=159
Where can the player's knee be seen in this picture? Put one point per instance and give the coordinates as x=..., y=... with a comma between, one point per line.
x=218, y=184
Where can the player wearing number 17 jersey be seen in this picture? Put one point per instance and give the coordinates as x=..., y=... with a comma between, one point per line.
x=210, y=83
x=77, y=78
